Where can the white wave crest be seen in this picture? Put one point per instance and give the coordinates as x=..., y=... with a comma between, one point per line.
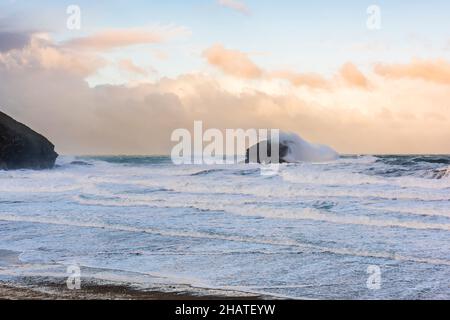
x=302, y=150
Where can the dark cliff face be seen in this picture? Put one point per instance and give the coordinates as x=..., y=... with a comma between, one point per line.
x=262, y=153
x=23, y=148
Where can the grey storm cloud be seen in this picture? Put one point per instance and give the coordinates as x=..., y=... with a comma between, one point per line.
x=13, y=40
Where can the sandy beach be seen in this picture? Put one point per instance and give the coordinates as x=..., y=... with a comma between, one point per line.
x=97, y=292
x=21, y=287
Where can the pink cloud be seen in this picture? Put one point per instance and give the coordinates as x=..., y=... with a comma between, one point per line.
x=397, y=116
x=238, y=64
x=311, y=80
x=118, y=38
x=232, y=62
x=129, y=66
x=437, y=71
x=42, y=53
x=352, y=76
x=235, y=5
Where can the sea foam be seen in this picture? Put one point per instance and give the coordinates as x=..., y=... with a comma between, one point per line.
x=302, y=150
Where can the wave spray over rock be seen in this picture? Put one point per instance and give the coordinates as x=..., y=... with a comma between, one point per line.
x=291, y=148
x=302, y=150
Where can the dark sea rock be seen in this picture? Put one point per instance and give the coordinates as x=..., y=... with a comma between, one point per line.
x=259, y=153
x=23, y=148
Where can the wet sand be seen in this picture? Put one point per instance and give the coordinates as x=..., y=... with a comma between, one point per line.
x=98, y=292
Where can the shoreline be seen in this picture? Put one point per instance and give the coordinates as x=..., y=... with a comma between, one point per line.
x=44, y=287
x=93, y=291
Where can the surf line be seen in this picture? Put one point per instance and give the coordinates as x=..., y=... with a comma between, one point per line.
x=339, y=251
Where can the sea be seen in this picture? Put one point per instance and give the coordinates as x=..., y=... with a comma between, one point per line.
x=359, y=227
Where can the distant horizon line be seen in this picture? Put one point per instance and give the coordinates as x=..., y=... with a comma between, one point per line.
x=168, y=155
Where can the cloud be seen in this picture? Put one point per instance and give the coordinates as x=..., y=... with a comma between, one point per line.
x=81, y=56
x=349, y=73
x=232, y=62
x=129, y=66
x=311, y=80
x=13, y=40
x=238, y=64
x=352, y=76
x=42, y=53
x=235, y=5
x=52, y=97
x=437, y=71
x=139, y=120
x=119, y=38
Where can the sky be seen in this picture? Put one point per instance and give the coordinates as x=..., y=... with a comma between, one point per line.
x=364, y=77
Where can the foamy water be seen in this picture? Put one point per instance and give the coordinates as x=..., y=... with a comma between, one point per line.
x=310, y=231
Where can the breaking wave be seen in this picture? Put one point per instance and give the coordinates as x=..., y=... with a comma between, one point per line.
x=302, y=150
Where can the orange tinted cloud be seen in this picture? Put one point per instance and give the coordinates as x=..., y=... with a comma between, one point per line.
x=44, y=78
x=232, y=62
x=238, y=64
x=396, y=117
x=352, y=76
x=117, y=38
x=41, y=53
x=129, y=66
x=429, y=70
x=311, y=80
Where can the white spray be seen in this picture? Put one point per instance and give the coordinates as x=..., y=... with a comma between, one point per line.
x=302, y=150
